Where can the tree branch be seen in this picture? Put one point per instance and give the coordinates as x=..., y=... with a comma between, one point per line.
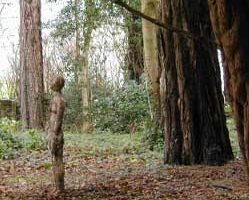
x=160, y=23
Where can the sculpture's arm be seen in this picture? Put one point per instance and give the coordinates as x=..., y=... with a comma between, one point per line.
x=59, y=112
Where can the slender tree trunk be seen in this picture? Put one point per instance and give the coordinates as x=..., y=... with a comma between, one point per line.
x=82, y=58
x=77, y=42
x=31, y=64
x=191, y=97
x=86, y=92
x=135, y=48
x=150, y=8
x=230, y=20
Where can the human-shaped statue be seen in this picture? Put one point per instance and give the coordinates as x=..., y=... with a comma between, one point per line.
x=54, y=133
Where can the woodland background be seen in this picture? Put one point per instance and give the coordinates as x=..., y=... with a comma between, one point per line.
x=144, y=100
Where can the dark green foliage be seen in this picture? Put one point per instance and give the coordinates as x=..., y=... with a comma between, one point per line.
x=33, y=140
x=73, y=99
x=9, y=143
x=13, y=142
x=90, y=15
x=153, y=136
x=121, y=111
x=65, y=23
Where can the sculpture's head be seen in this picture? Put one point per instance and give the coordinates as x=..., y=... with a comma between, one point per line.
x=58, y=84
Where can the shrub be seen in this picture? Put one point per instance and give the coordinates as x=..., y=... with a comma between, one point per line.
x=73, y=99
x=9, y=142
x=122, y=110
x=9, y=125
x=33, y=140
x=153, y=136
x=12, y=142
x=4, y=150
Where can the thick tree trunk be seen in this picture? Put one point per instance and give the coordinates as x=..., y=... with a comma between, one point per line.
x=191, y=97
x=31, y=64
x=151, y=65
x=230, y=20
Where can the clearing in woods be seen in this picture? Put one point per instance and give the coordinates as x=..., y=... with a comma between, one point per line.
x=107, y=166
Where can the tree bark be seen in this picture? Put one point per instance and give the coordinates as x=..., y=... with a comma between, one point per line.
x=86, y=91
x=31, y=64
x=82, y=58
x=77, y=42
x=150, y=8
x=135, y=48
x=230, y=21
x=191, y=97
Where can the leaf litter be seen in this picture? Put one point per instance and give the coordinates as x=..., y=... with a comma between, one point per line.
x=116, y=177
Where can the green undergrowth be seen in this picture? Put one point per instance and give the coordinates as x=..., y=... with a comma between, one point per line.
x=128, y=148
x=131, y=147
x=109, y=144
x=13, y=142
x=100, y=143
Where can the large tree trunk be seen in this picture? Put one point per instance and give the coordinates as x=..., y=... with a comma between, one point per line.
x=31, y=64
x=151, y=65
x=230, y=20
x=192, y=102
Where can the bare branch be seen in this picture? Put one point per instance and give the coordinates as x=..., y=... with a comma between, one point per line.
x=150, y=19
x=160, y=23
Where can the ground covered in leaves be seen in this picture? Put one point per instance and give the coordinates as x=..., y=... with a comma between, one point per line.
x=117, y=167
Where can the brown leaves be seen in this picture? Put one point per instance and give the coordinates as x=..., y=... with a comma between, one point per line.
x=115, y=177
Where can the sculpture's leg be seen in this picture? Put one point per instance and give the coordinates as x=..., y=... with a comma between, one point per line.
x=58, y=169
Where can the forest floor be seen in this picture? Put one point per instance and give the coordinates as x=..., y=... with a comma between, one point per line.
x=109, y=166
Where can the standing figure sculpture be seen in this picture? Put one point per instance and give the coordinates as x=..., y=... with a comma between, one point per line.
x=54, y=133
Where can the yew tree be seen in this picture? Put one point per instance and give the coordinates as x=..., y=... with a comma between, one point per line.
x=191, y=97
x=230, y=21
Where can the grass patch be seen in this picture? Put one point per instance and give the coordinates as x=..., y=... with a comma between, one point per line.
x=128, y=148
x=106, y=143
